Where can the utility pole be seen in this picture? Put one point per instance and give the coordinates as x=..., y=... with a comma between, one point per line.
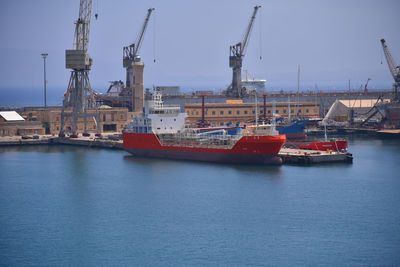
x=44, y=55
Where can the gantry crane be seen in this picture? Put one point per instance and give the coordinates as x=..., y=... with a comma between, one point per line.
x=236, y=55
x=394, y=69
x=130, y=53
x=79, y=97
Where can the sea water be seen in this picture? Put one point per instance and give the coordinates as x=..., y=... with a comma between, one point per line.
x=78, y=206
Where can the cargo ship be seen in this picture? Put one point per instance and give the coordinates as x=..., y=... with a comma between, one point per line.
x=161, y=133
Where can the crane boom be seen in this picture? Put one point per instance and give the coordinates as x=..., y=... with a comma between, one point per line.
x=394, y=69
x=82, y=30
x=141, y=34
x=248, y=31
x=236, y=55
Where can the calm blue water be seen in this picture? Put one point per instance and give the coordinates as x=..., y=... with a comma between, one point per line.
x=73, y=206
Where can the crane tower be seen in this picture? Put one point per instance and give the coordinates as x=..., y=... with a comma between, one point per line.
x=236, y=56
x=79, y=99
x=131, y=61
x=394, y=69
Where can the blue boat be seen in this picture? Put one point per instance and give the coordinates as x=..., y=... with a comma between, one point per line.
x=293, y=131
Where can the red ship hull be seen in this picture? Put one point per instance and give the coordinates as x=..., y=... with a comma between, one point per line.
x=247, y=150
x=335, y=145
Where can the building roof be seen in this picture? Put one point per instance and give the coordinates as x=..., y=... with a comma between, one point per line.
x=11, y=116
x=361, y=103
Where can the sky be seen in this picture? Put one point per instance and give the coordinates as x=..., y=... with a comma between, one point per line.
x=332, y=41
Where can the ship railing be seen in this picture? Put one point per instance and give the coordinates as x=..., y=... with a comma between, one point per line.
x=189, y=139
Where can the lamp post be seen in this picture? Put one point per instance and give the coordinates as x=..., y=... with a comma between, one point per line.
x=44, y=55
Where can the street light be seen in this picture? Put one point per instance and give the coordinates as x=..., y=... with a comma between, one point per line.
x=44, y=55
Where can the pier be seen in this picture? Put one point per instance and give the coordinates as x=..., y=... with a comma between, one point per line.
x=307, y=157
x=52, y=140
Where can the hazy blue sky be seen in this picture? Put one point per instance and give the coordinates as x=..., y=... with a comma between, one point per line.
x=333, y=41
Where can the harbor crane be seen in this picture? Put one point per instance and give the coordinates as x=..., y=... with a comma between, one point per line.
x=394, y=69
x=236, y=55
x=130, y=53
x=79, y=99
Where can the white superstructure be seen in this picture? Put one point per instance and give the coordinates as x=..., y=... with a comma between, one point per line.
x=162, y=119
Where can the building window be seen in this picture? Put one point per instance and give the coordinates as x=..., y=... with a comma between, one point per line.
x=192, y=113
x=306, y=110
x=284, y=111
x=57, y=118
x=104, y=117
x=292, y=111
x=299, y=111
x=238, y=112
x=254, y=112
x=230, y=112
x=277, y=111
x=213, y=113
x=245, y=112
x=315, y=110
x=112, y=117
x=197, y=113
x=221, y=112
x=269, y=111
